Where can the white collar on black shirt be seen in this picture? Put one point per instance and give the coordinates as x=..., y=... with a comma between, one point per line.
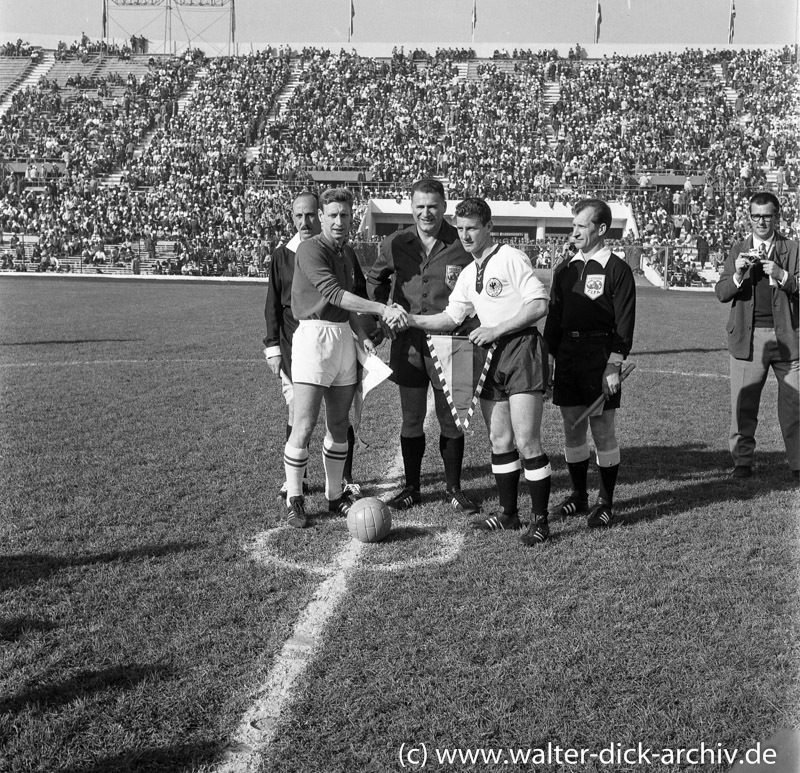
x=602, y=256
x=294, y=243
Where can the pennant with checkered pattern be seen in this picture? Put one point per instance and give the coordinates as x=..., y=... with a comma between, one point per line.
x=462, y=367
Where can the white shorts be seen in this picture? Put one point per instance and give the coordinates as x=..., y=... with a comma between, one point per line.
x=324, y=354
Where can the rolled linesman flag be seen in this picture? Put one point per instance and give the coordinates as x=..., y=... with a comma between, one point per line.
x=595, y=408
x=462, y=367
x=372, y=370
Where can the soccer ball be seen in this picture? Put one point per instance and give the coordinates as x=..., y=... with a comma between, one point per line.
x=369, y=519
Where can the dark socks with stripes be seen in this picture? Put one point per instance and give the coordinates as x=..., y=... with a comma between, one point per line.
x=506, y=469
x=537, y=475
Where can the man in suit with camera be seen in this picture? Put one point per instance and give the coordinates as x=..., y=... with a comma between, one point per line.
x=760, y=280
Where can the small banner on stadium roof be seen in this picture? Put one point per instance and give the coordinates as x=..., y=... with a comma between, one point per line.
x=462, y=367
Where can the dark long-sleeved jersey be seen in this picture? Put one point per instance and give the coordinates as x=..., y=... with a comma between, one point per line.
x=420, y=284
x=281, y=322
x=597, y=295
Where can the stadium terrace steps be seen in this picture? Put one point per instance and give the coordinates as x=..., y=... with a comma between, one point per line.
x=279, y=108
x=28, y=77
x=278, y=111
x=730, y=93
x=13, y=70
x=114, y=179
x=137, y=65
x=64, y=69
x=550, y=95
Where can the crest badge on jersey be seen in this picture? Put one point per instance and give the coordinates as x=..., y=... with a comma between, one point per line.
x=593, y=287
x=494, y=287
x=451, y=273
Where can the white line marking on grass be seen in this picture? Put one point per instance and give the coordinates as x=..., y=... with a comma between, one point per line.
x=260, y=722
x=256, y=731
x=683, y=373
x=165, y=361
x=451, y=544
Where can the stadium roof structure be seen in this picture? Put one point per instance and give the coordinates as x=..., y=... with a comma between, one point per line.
x=511, y=218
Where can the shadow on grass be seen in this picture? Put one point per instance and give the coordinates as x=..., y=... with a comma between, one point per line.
x=16, y=627
x=690, y=477
x=27, y=568
x=673, y=480
x=170, y=759
x=405, y=533
x=81, y=685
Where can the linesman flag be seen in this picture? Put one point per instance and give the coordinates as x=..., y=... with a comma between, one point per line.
x=597, y=22
x=462, y=367
x=730, y=22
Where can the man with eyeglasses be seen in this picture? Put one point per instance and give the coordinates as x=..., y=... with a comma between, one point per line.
x=760, y=280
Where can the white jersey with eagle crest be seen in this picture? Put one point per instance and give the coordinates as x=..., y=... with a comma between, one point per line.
x=508, y=283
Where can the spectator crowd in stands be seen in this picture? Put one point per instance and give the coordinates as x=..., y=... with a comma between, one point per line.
x=217, y=175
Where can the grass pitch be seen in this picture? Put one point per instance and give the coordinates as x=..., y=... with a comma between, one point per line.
x=141, y=445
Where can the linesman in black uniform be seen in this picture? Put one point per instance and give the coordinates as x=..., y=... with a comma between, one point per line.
x=417, y=267
x=589, y=332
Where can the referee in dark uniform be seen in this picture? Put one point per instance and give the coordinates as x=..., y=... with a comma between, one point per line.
x=589, y=332
x=417, y=268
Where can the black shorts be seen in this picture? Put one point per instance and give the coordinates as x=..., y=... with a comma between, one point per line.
x=286, y=356
x=519, y=366
x=580, y=365
x=410, y=361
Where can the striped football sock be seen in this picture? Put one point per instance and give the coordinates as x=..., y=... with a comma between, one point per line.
x=294, y=464
x=537, y=474
x=506, y=468
x=334, y=456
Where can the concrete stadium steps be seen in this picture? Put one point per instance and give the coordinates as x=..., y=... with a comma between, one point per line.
x=137, y=65
x=31, y=78
x=13, y=70
x=64, y=69
x=730, y=94
x=278, y=110
x=114, y=179
x=551, y=93
x=292, y=81
x=187, y=96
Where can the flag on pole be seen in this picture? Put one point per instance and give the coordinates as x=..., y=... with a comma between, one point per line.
x=730, y=22
x=462, y=367
x=474, y=17
x=105, y=19
x=597, y=22
x=352, y=16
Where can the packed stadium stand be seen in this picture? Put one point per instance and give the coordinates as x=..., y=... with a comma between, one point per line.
x=118, y=162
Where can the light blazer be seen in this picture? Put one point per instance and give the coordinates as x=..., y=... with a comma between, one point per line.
x=784, y=301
